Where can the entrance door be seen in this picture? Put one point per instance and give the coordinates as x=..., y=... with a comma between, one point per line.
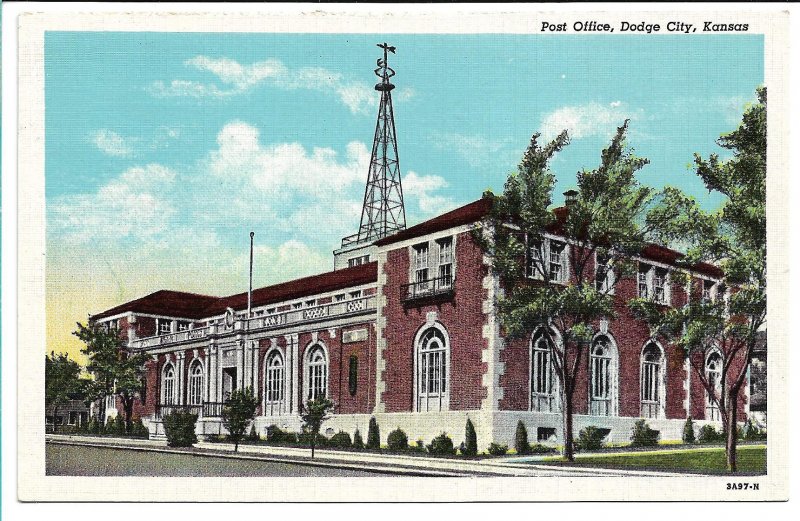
x=228, y=382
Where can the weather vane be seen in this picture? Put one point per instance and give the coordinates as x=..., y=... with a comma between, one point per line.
x=384, y=72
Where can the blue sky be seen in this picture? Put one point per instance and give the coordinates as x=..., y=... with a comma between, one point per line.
x=163, y=150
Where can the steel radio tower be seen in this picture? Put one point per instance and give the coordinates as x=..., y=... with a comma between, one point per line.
x=383, y=212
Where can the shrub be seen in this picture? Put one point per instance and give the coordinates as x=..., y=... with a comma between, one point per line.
x=538, y=448
x=708, y=434
x=688, y=431
x=397, y=440
x=138, y=430
x=93, y=427
x=215, y=438
x=752, y=432
x=253, y=435
x=590, y=438
x=471, y=440
x=119, y=425
x=358, y=443
x=179, y=427
x=420, y=446
x=319, y=441
x=373, y=435
x=643, y=435
x=441, y=445
x=497, y=450
x=341, y=440
x=276, y=435
x=521, y=444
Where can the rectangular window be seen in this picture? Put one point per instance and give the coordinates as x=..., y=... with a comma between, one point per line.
x=183, y=325
x=297, y=305
x=534, y=262
x=357, y=261
x=270, y=311
x=164, y=326
x=445, y=271
x=643, y=276
x=310, y=303
x=556, y=261
x=660, y=285
x=340, y=297
x=709, y=291
x=355, y=294
x=421, y=259
x=604, y=274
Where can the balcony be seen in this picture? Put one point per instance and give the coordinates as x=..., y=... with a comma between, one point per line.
x=438, y=287
x=207, y=410
x=292, y=317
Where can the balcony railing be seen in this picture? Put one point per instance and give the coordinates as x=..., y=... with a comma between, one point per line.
x=428, y=288
x=265, y=322
x=212, y=409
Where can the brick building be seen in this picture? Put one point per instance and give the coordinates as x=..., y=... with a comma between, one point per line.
x=406, y=330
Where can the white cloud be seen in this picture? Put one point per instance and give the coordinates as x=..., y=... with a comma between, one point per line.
x=111, y=143
x=477, y=150
x=134, y=205
x=581, y=121
x=237, y=78
x=423, y=188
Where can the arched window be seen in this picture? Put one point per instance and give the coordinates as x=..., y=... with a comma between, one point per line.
x=432, y=365
x=543, y=395
x=196, y=379
x=714, y=379
x=317, y=373
x=603, y=368
x=274, y=383
x=652, y=386
x=168, y=385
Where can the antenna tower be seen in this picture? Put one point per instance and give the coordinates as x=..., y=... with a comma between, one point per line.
x=383, y=212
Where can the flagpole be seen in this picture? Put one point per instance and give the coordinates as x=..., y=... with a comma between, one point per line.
x=250, y=289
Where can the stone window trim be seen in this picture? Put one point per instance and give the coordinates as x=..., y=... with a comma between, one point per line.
x=316, y=371
x=653, y=283
x=274, y=397
x=551, y=256
x=429, y=356
x=169, y=384
x=196, y=382
x=603, y=376
x=438, y=261
x=712, y=366
x=652, y=382
x=543, y=396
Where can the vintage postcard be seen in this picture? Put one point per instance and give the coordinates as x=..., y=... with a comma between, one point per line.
x=520, y=255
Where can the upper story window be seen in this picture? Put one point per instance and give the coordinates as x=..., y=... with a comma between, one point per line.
x=310, y=303
x=355, y=294
x=340, y=297
x=270, y=311
x=709, y=291
x=183, y=325
x=357, y=261
x=714, y=381
x=653, y=283
x=164, y=326
x=445, y=270
x=604, y=273
x=297, y=305
x=548, y=257
x=421, y=261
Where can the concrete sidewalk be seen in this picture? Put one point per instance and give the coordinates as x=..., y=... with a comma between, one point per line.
x=511, y=466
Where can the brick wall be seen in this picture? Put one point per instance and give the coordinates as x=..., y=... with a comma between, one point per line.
x=461, y=315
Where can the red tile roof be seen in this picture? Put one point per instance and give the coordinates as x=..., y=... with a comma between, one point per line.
x=194, y=306
x=164, y=302
x=322, y=283
x=467, y=214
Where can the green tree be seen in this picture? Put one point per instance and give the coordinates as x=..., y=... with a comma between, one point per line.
x=471, y=439
x=115, y=370
x=238, y=412
x=313, y=415
x=604, y=221
x=734, y=237
x=61, y=382
x=373, y=434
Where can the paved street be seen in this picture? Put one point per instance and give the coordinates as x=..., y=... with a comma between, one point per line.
x=71, y=460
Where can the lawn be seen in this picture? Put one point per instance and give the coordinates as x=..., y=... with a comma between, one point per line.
x=752, y=459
